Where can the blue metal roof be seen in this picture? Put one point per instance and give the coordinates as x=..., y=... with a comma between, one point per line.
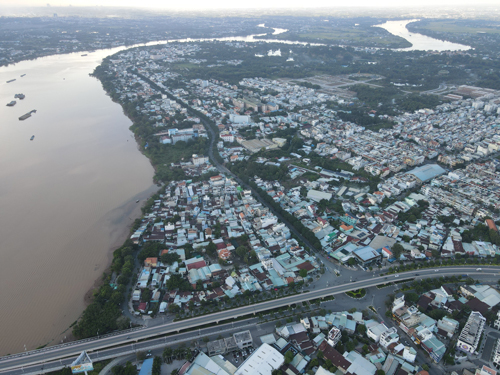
x=427, y=172
x=147, y=367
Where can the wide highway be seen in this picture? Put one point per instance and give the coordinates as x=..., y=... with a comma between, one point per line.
x=125, y=339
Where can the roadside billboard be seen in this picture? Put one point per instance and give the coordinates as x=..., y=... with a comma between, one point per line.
x=82, y=364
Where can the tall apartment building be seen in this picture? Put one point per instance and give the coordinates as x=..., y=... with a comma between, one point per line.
x=470, y=335
x=496, y=354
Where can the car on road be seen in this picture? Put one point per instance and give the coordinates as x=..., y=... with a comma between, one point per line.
x=396, y=275
x=436, y=270
x=149, y=354
x=417, y=274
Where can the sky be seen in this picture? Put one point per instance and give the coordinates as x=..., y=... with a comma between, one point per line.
x=231, y=4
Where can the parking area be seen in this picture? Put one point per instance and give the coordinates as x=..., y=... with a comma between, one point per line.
x=239, y=356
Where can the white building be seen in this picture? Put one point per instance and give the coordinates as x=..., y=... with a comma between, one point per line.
x=399, y=301
x=496, y=354
x=409, y=354
x=317, y=195
x=262, y=362
x=388, y=337
x=374, y=332
x=497, y=321
x=199, y=159
x=470, y=335
x=239, y=119
x=306, y=322
x=334, y=336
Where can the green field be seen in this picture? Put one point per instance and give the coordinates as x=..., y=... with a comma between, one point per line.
x=357, y=36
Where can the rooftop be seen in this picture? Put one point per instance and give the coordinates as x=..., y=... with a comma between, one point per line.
x=427, y=172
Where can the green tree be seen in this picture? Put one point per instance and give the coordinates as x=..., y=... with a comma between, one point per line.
x=397, y=249
x=361, y=329
x=288, y=357
x=199, y=285
x=128, y=369
x=242, y=251
x=169, y=258
x=146, y=295
x=212, y=249
x=150, y=249
x=320, y=354
x=156, y=370
x=303, y=273
x=167, y=354
x=173, y=308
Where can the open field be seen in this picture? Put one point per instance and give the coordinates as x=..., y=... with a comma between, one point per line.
x=338, y=85
x=366, y=36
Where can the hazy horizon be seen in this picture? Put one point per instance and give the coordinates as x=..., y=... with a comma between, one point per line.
x=191, y=5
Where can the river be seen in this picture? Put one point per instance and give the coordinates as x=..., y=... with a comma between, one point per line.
x=419, y=42
x=68, y=196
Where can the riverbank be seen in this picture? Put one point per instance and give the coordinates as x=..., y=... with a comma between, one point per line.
x=62, y=196
x=118, y=223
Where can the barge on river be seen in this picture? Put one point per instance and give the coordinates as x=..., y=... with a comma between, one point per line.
x=27, y=115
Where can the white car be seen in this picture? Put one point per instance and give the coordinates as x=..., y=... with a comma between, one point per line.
x=396, y=275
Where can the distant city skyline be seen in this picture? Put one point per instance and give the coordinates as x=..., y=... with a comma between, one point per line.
x=226, y=4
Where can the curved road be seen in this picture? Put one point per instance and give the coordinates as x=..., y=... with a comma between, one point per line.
x=130, y=338
x=222, y=168
x=56, y=353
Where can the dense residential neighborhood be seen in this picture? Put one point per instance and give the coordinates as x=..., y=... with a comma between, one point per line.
x=301, y=189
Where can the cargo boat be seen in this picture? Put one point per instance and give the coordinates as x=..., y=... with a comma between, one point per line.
x=12, y=80
x=20, y=96
x=32, y=137
x=27, y=115
x=22, y=75
x=11, y=104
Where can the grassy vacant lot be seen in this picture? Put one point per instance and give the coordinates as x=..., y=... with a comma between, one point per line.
x=453, y=27
x=183, y=65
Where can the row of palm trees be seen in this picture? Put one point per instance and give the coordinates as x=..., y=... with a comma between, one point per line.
x=181, y=352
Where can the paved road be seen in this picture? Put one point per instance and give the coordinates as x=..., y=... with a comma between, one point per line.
x=223, y=169
x=128, y=339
